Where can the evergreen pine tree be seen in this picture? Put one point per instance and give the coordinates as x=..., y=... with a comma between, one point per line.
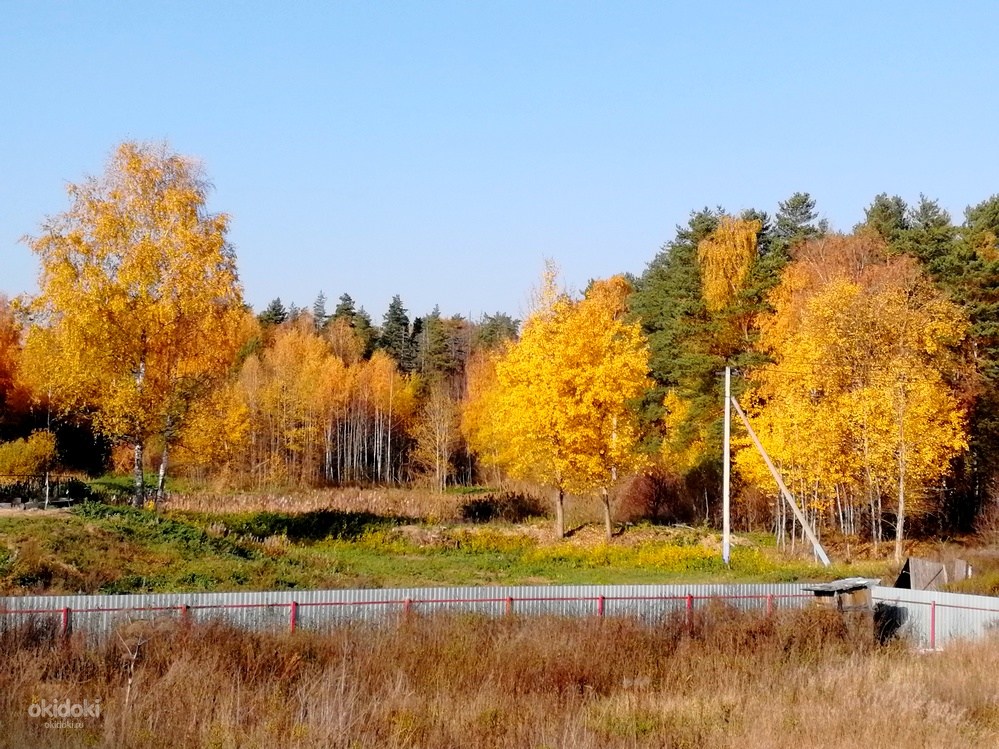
x=345, y=307
x=274, y=314
x=888, y=216
x=319, y=316
x=796, y=221
x=396, y=335
x=492, y=330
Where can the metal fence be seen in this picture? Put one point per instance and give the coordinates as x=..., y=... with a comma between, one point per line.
x=29, y=490
x=322, y=609
x=931, y=619
x=928, y=619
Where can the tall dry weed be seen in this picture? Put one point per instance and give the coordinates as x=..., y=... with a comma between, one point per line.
x=716, y=679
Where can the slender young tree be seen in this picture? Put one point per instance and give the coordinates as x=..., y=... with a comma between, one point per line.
x=319, y=316
x=139, y=302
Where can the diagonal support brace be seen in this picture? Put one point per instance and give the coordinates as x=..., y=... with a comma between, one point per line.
x=819, y=551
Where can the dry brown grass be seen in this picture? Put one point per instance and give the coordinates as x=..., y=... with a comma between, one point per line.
x=723, y=680
x=403, y=503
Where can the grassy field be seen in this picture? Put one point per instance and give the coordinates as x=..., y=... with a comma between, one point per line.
x=793, y=679
x=98, y=548
x=406, y=538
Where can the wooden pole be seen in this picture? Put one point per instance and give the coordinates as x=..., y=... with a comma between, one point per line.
x=806, y=526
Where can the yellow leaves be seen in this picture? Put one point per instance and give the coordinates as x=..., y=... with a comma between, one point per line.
x=987, y=246
x=480, y=412
x=725, y=257
x=140, y=302
x=14, y=389
x=436, y=434
x=555, y=406
x=548, y=294
x=384, y=388
x=680, y=451
x=299, y=394
x=344, y=340
x=609, y=297
x=216, y=428
x=27, y=457
x=861, y=393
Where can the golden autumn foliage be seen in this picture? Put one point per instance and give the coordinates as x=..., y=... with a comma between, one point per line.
x=436, y=431
x=291, y=393
x=557, y=409
x=611, y=360
x=140, y=303
x=862, y=404
x=345, y=343
x=725, y=257
x=14, y=393
x=690, y=417
x=27, y=457
x=860, y=378
x=215, y=431
x=684, y=442
x=304, y=414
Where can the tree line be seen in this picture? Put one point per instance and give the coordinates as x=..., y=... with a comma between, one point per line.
x=866, y=361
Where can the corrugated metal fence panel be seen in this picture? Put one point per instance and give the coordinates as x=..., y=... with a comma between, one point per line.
x=928, y=618
x=321, y=609
x=933, y=618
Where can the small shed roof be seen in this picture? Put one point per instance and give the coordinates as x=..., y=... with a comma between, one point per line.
x=846, y=585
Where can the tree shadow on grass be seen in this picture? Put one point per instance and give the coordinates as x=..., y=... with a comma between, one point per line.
x=316, y=525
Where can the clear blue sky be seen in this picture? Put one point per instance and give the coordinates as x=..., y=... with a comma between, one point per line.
x=440, y=151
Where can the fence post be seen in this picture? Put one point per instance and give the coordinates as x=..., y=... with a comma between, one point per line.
x=690, y=611
x=509, y=605
x=407, y=606
x=770, y=603
x=293, y=616
x=185, y=615
x=64, y=622
x=600, y=605
x=933, y=625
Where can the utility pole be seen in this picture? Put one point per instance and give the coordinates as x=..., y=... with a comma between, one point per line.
x=727, y=470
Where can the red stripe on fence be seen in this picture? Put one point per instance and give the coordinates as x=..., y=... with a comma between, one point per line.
x=407, y=604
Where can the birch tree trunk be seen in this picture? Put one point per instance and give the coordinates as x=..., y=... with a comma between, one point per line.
x=161, y=479
x=139, y=498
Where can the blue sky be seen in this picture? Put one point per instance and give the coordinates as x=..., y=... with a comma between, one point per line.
x=440, y=151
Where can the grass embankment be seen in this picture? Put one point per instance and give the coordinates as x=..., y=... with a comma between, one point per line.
x=793, y=679
x=107, y=549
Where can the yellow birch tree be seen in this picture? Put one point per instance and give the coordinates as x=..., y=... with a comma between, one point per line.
x=436, y=433
x=479, y=410
x=560, y=407
x=139, y=302
x=862, y=401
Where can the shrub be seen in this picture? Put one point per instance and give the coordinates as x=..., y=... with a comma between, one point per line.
x=27, y=457
x=305, y=526
x=513, y=507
